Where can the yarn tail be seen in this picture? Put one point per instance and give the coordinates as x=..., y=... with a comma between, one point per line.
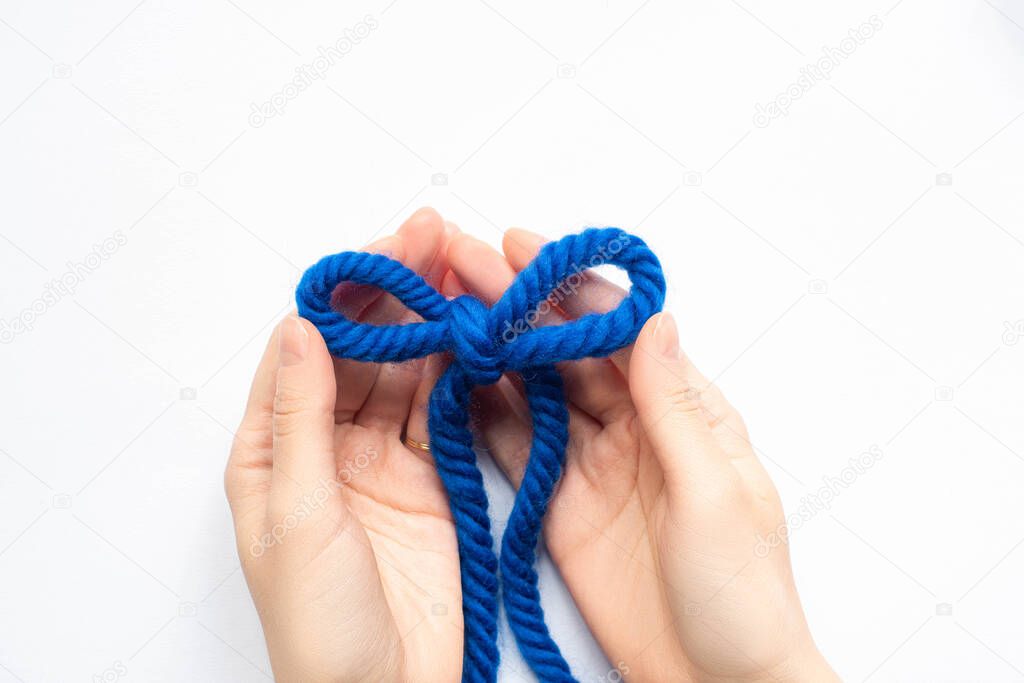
x=452, y=446
x=519, y=542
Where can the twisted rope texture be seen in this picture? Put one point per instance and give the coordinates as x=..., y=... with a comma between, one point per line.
x=484, y=343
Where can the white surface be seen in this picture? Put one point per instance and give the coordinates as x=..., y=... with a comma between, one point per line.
x=116, y=552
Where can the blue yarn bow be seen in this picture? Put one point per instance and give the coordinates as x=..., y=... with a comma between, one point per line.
x=484, y=343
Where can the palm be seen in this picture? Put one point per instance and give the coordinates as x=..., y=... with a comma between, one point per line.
x=406, y=524
x=602, y=530
x=610, y=527
x=393, y=492
x=353, y=562
x=602, y=524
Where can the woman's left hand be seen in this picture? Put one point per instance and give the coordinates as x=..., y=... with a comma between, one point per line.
x=344, y=532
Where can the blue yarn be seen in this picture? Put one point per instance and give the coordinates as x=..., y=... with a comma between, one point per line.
x=485, y=343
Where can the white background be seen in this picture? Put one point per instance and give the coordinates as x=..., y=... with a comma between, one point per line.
x=840, y=294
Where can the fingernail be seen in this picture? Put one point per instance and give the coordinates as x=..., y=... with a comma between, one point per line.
x=528, y=238
x=423, y=211
x=294, y=341
x=386, y=246
x=666, y=336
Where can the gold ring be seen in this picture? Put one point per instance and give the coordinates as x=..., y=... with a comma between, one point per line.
x=413, y=443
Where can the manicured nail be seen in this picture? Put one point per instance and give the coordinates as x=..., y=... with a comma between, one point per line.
x=294, y=341
x=666, y=336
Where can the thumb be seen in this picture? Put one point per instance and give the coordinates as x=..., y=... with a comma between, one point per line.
x=670, y=410
x=303, y=420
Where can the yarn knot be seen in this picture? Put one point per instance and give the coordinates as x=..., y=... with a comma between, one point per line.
x=473, y=344
x=484, y=344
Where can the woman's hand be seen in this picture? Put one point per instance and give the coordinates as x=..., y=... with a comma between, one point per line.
x=656, y=521
x=344, y=532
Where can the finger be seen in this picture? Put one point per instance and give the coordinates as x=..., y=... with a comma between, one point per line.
x=594, y=294
x=592, y=384
x=254, y=436
x=416, y=426
x=439, y=266
x=418, y=244
x=423, y=238
x=501, y=417
x=479, y=268
x=387, y=406
x=354, y=379
x=728, y=428
x=725, y=421
x=247, y=476
x=303, y=420
x=499, y=413
x=352, y=298
x=670, y=413
x=502, y=420
x=451, y=286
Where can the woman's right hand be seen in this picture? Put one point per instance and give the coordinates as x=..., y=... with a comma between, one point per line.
x=655, y=523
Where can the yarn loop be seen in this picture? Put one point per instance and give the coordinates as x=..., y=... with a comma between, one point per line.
x=485, y=343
